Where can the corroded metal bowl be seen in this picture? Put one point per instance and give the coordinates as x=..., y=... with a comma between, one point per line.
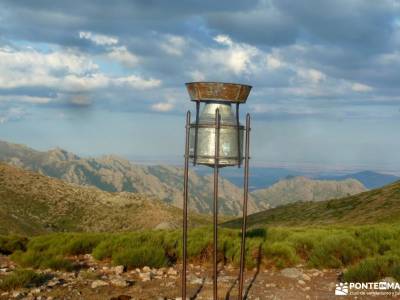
x=218, y=91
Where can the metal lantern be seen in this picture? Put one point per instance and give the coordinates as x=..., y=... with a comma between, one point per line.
x=216, y=139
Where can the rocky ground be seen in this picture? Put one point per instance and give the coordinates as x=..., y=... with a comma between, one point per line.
x=102, y=281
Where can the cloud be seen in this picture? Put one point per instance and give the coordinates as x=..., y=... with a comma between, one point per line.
x=25, y=99
x=273, y=62
x=362, y=88
x=68, y=75
x=98, y=39
x=173, y=45
x=311, y=75
x=137, y=82
x=327, y=53
x=162, y=106
x=123, y=56
x=233, y=57
x=114, y=51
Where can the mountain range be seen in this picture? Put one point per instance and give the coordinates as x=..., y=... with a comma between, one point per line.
x=114, y=174
x=305, y=189
x=370, y=179
x=264, y=177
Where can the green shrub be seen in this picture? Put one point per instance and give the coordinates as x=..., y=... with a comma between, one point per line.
x=139, y=257
x=9, y=244
x=40, y=260
x=257, y=232
x=374, y=268
x=304, y=244
x=281, y=253
x=336, y=251
x=200, y=243
x=23, y=278
x=82, y=244
x=253, y=254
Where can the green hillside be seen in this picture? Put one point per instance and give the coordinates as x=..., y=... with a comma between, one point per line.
x=375, y=206
x=31, y=203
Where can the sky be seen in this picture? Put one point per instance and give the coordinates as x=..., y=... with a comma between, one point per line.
x=107, y=77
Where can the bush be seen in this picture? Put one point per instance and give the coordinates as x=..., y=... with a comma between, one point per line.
x=12, y=243
x=281, y=253
x=23, y=278
x=336, y=251
x=374, y=268
x=139, y=257
x=257, y=232
x=305, y=242
x=40, y=260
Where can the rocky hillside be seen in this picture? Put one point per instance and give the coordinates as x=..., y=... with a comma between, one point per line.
x=304, y=189
x=114, y=174
x=31, y=203
x=375, y=206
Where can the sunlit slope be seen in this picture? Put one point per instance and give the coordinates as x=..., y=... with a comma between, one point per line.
x=375, y=206
x=31, y=203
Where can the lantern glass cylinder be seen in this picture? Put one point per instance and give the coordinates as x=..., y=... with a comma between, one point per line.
x=230, y=150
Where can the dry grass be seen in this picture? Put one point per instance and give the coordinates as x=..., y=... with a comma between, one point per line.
x=31, y=203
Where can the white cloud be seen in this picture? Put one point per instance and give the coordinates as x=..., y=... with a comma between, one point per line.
x=174, y=45
x=98, y=39
x=116, y=52
x=223, y=40
x=234, y=57
x=273, y=62
x=137, y=82
x=162, y=106
x=123, y=56
x=25, y=99
x=63, y=71
x=311, y=75
x=361, y=88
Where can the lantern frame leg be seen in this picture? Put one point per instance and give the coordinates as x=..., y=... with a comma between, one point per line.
x=216, y=174
x=238, y=136
x=185, y=207
x=196, y=133
x=245, y=200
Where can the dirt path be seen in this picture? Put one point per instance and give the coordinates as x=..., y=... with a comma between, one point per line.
x=101, y=281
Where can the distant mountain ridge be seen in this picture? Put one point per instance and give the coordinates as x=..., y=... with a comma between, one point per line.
x=115, y=174
x=293, y=189
x=31, y=203
x=264, y=177
x=370, y=179
x=376, y=206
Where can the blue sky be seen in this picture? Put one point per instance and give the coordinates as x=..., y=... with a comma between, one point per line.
x=97, y=77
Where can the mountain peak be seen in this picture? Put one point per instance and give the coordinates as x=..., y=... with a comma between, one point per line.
x=62, y=154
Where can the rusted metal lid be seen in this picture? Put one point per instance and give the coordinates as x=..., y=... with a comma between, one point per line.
x=218, y=91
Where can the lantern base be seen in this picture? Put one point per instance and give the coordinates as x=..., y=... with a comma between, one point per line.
x=209, y=161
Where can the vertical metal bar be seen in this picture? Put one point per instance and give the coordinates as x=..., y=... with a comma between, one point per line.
x=196, y=133
x=216, y=170
x=185, y=210
x=245, y=198
x=238, y=136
